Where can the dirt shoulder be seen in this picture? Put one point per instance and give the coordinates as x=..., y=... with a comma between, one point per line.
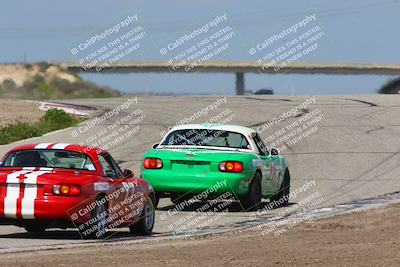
x=13, y=110
x=367, y=238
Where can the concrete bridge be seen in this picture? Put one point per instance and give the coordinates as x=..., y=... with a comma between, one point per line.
x=237, y=67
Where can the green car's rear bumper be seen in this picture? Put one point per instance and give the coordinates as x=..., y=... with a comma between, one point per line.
x=166, y=181
x=193, y=171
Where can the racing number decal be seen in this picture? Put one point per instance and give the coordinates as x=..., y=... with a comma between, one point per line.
x=129, y=189
x=260, y=164
x=272, y=170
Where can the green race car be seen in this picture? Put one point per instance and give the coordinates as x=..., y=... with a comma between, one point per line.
x=196, y=158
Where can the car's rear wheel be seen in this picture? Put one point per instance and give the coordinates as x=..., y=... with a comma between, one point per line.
x=99, y=216
x=35, y=227
x=283, y=195
x=156, y=199
x=252, y=200
x=146, y=222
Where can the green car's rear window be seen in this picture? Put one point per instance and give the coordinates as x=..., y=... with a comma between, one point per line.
x=206, y=137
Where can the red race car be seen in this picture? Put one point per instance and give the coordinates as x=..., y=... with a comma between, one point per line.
x=62, y=185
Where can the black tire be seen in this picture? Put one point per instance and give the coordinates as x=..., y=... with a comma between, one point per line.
x=176, y=199
x=100, y=213
x=146, y=222
x=179, y=198
x=283, y=191
x=35, y=227
x=252, y=200
x=156, y=200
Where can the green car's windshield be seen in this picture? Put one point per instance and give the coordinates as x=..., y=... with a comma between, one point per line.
x=52, y=158
x=206, y=137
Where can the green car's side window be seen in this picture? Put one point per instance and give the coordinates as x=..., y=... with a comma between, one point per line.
x=262, y=149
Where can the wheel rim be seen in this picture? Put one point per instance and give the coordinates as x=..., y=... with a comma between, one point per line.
x=149, y=215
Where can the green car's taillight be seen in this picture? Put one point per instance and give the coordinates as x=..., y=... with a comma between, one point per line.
x=230, y=166
x=152, y=163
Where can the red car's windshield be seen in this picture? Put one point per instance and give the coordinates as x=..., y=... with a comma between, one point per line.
x=52, y=158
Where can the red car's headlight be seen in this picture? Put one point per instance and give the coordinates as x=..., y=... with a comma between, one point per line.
x=152, y=163
x=67, y=190
x=230, y=166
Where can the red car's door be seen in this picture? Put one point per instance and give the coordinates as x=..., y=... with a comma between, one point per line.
x=124, y=197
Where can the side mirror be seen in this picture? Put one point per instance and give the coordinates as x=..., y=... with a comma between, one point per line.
x=155, y=146
x=274, y=152
x=128, y=173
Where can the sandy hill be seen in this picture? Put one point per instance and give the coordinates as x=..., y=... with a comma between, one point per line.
x=45, y=81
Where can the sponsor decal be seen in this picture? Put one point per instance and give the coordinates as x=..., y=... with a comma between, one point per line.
x=272, y=174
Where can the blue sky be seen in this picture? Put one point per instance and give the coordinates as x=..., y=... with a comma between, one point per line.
x=354, y=31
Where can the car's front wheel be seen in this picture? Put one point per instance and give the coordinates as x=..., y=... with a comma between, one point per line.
x=283, y=195
x=146, y=222
x=99, y=216
x=252, y=200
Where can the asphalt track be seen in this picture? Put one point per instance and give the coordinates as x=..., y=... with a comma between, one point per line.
x=353, y=154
